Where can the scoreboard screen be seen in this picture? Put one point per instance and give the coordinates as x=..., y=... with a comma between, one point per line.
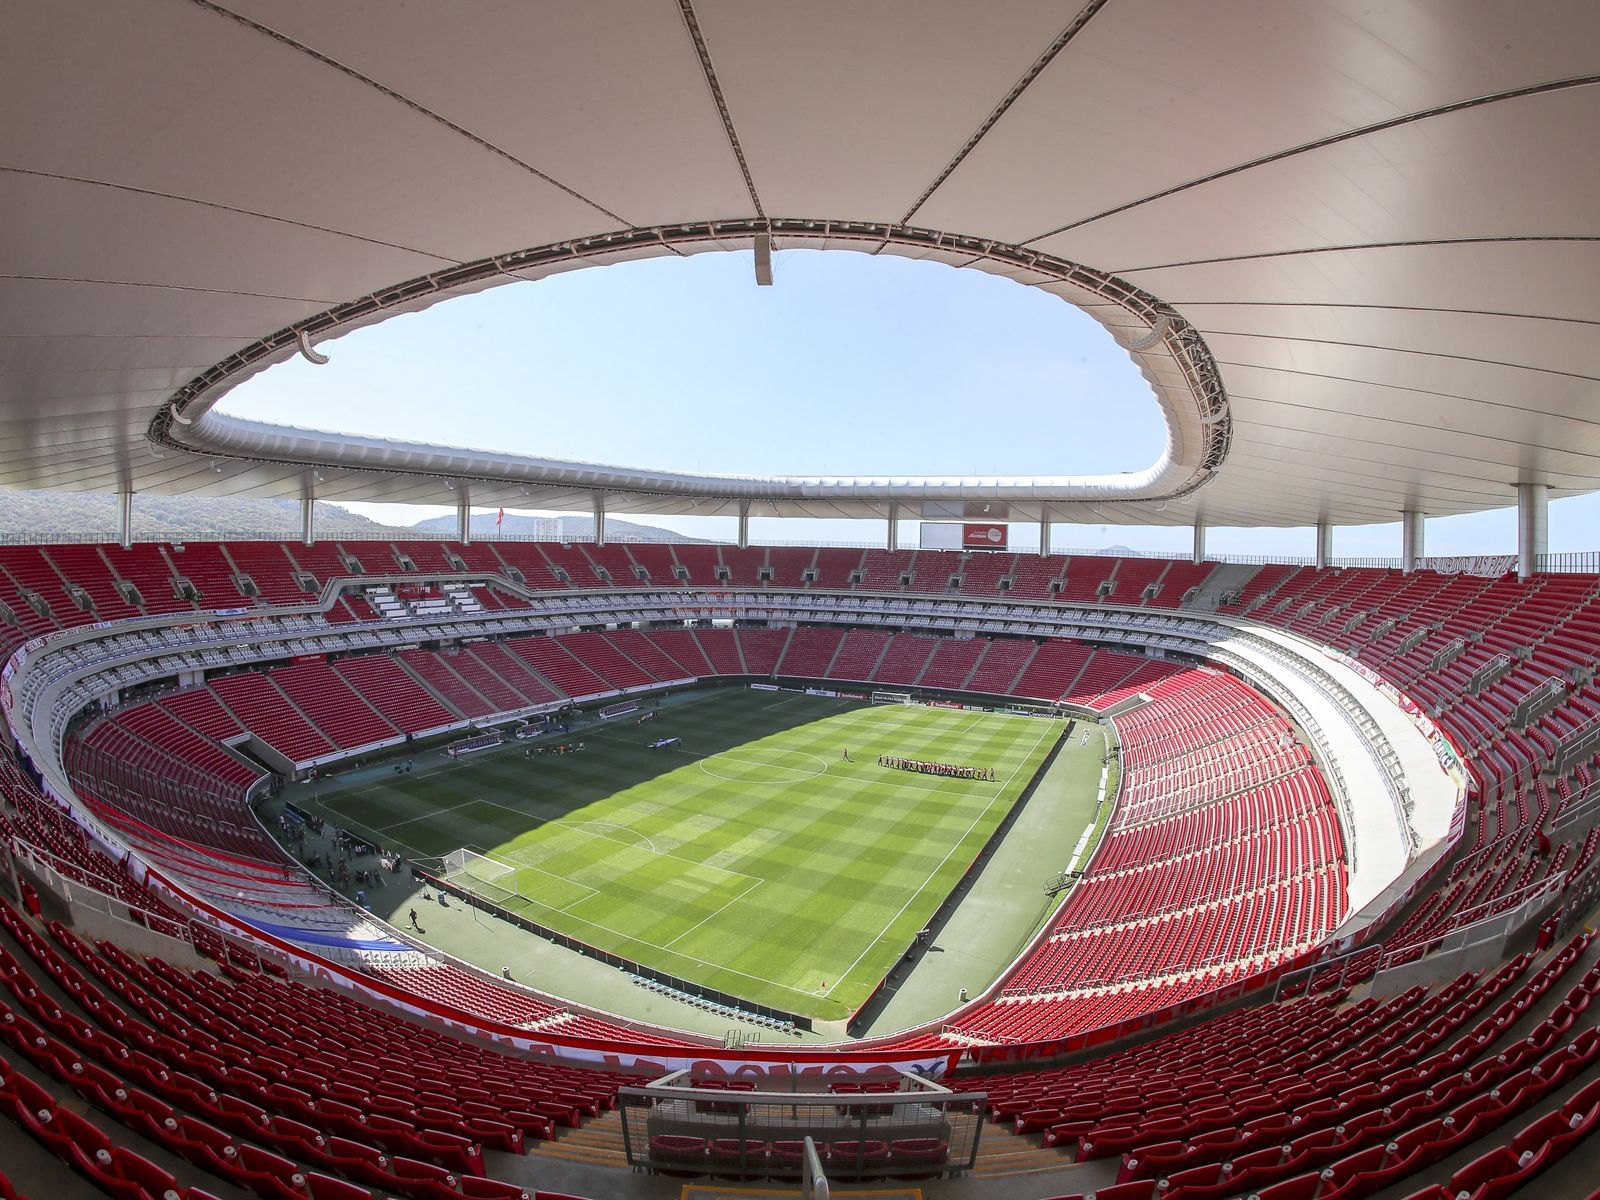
x=941, y=535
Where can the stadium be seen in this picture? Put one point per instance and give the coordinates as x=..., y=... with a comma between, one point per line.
x=344, y=866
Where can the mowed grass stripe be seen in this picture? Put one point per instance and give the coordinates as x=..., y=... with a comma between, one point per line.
x=790, y=885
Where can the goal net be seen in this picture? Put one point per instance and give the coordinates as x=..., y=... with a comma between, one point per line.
x=488, y=877
x=891, y=697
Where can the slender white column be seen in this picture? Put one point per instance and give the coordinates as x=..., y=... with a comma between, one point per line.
x=125, y=518
x=308, y=511
x=1199, y=542
x=1412, y=541
x=1533, y=526
x=599, y=518
x=1324, y=543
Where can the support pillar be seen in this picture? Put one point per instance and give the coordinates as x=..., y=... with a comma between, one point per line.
x=463, y=514
x=599, y=518
x=1533, y=526
x=744, y=524
x=1412, y=542
x=894, y=526
x=1199, y=542
x=308, y=511
x=125, y=518
x=1046, y=515
x=1324, y=552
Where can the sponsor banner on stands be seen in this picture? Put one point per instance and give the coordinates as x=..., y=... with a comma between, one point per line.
x=1490, y=566
x=983, y=537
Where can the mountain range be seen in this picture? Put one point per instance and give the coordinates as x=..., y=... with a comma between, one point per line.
x=27, y=516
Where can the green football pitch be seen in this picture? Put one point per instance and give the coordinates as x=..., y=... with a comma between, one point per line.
x=752, y=858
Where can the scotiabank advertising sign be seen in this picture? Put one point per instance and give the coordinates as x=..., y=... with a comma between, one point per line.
x=983, y=537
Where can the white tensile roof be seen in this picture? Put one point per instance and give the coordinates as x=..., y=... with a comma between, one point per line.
x=1355, y=247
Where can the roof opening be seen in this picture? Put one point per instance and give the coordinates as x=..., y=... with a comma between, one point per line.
x=850, y=364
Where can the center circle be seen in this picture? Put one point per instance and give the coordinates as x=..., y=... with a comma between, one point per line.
x=755, y=764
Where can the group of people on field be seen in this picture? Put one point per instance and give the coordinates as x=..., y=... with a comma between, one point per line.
x=935, y=768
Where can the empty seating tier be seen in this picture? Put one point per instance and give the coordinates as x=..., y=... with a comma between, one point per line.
x=1221, y=859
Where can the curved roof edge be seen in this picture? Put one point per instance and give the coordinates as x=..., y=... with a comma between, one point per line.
x=1170, y=353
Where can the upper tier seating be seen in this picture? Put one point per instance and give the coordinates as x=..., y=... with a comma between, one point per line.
x=789, y=565
x=982, y=570
x=835, y=568
x=573, y=562
x=150, y=572
x=614, y=560
x=533, y=567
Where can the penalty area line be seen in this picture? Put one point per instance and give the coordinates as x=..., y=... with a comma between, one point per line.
x=438, y=812
x=753, y=886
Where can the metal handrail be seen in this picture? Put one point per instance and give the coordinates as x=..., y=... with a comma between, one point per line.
x=816, y=1180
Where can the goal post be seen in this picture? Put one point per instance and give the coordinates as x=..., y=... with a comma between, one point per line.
x=480, y=873
x=891, y=697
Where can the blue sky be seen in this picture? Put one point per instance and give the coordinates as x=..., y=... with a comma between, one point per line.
x=849, y=365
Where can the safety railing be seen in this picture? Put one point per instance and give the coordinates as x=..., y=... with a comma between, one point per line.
x=1566, y=562
x=888, y=1126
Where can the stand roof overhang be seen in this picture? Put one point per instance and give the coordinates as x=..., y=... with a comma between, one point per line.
x=1355, y=249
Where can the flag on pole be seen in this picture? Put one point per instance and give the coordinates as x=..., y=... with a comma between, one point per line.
x=500, y=519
